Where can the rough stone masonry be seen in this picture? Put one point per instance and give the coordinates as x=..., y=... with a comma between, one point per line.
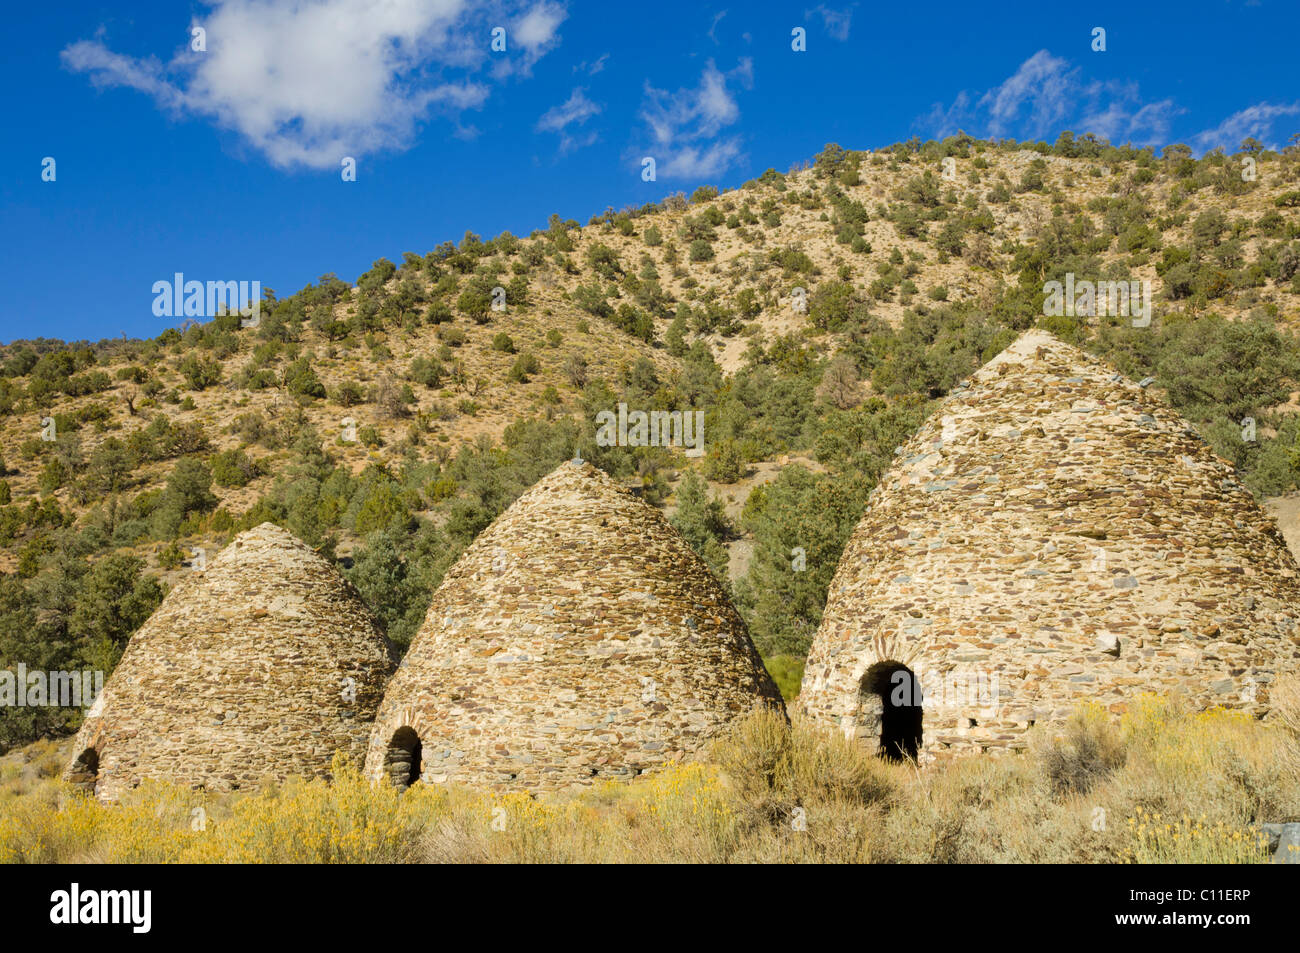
x=1053, y=534
x=579, y=638
x=260, y=667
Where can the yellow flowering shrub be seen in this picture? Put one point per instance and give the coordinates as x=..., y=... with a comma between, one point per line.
x=345, y=821
x=1184, y=840
x=1179, y=787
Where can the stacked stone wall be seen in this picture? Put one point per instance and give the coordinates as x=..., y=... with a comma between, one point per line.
x=578, y=639
x=1053, y=535
x=260, y=667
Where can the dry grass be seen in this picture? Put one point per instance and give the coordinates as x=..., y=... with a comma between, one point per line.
x=1163, y=785
x=1286, y=712
x=1088, y=751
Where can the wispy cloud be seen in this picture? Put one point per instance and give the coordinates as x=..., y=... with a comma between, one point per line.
x=592, y=68
x=686, y=126
x=717, y=18
x=574, y=111
x=1121, y=116
x=533, y=33
x=1041, y=87
x=305, y=83
x=1253, y=121
x=1046, y=95
x=837, y=22
x=702, y=162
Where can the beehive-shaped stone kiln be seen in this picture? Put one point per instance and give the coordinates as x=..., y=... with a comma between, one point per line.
x=261, y=666
x=1054, y=534
x=578, y=638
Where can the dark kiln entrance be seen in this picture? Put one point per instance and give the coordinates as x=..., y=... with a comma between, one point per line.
x=890, y=696
x=402, y=762
x=85, y=771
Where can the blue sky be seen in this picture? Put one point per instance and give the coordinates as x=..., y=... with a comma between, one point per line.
x=224, y=164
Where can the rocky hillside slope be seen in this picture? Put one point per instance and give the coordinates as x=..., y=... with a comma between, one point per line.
x=812, y=316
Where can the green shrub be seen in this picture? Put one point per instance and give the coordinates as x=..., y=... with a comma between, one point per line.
x=300, y=378
x=703, y=523
x=724, y=462
x=199, y=374
x=426, y=371
x=701, y=250
x=475, y=301
x=234, y=468
x=787, y=672
x=349, y=394
x=524, y=367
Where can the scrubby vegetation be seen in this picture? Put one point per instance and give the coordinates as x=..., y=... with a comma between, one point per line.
x=813, y=316
x=1162, y=786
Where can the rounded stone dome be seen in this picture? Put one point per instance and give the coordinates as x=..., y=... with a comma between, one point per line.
x=578, y=638
x=1053, y=534
x=263, y=665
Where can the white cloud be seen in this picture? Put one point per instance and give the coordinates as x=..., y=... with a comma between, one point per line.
x=595, y=66
x=691, y=162
x=530, y=36
x=943, y=121
x=535, y=30
x=110, y=69
x=577, y=108
x=1043, y=83
x=1117, y=113
x=1253, y=121
x=837, y=22
x=1045, y=96
x=306, y=82
x=574, y=111
x=695, y=113
x=717, y=18
x=681, y=124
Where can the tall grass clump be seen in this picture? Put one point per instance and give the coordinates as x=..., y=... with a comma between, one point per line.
x=1285, y=696
x=775, y=765
x=1088, y=750
x=1161, y=784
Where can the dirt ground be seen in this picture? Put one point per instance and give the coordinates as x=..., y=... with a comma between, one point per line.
x=1286, y=510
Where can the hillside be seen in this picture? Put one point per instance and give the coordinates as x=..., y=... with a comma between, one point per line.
x=388, y=421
